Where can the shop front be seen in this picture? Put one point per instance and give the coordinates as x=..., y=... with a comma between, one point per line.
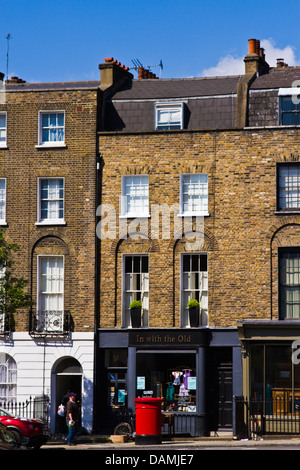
x=195, y=372
x=271, y=373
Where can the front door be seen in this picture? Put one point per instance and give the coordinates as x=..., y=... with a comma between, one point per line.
x=221, y=389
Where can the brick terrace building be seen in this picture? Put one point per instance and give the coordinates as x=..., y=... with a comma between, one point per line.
x=216, y=160
x=47, y=176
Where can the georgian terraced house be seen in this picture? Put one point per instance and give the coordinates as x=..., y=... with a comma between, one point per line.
x=47, y=177
x=200, y=200
x=161, y=191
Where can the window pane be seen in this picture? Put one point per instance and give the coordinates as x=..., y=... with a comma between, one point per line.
x=51, y=298
x=2, y=199
x=171, y=377
x=289, y=266
x=194, y=286
x=289, y=187
x=136, y=195
x=194, y=192
x=290, y=111
x=169, y=117
x=52, y=199
x=136, y=286
x=52, y=127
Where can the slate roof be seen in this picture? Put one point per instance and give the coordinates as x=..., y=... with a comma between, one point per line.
x=176, y=88
x=276, y=78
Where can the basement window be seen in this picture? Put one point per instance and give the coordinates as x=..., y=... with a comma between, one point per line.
x=169, y=116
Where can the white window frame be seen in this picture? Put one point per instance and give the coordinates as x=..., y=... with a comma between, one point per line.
x=143, y=293
x=40, y=294
x=186, y=293
x=49, y=221
x=169, y=107
x=51, y=143
x=8, y=387
x=145, y=206
x=3, y=219
x=189, y=213
x=3, y=144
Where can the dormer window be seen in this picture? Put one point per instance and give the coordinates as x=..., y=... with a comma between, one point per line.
x=169, y=116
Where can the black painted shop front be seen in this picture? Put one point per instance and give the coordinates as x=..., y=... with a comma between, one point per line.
x=196, y=372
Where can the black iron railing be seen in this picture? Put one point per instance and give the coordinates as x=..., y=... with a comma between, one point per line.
x=34, y=407
x=279, y=415
x=51, y=322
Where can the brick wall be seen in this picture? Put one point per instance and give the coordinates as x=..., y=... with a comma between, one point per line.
x=239, y=232
x=22, y=164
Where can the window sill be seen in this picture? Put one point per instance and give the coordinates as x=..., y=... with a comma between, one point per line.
x=3, y=223
x=198, y=214
x=51, y=222
x=137, y=216
x=297, y=212
x=3, y=146
x=51, y=145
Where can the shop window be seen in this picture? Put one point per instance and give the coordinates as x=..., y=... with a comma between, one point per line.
x=136, y=286
x=116, y=370
x=275, y=378
x=194, y=286
x=171, y=377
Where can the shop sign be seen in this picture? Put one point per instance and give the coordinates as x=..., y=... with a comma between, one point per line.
x=164, y=338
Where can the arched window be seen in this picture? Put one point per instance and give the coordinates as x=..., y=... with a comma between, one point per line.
x=8, y=378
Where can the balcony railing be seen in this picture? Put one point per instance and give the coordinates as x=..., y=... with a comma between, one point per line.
x=51, y=322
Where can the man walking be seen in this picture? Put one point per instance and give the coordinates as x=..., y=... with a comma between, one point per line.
x=72, y=418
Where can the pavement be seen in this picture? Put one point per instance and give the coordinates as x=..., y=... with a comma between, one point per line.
x=95, y=442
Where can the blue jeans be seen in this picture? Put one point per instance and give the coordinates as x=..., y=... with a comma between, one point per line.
x=72, y=432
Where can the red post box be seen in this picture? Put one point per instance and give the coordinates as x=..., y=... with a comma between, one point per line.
x=148, y=420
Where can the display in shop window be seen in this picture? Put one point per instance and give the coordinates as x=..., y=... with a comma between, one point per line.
x=177, y=386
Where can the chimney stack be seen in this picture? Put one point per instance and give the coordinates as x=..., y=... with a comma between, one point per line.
x=145, y=73
x=280, y=63
x=255, y=59
x=113, y=73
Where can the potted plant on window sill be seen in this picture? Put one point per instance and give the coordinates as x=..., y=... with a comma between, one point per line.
x=136, y=313
x=194, y=308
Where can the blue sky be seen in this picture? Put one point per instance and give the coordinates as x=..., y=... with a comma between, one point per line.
x=67, y=39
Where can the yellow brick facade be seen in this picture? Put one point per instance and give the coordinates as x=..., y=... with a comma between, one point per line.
x=22, y=163
x=241, y=233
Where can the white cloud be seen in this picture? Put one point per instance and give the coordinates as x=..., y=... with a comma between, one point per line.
x=273, y=53
x=227, y=65
x=230, y=65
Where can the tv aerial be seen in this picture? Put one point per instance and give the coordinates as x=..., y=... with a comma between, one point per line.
x=137, y=64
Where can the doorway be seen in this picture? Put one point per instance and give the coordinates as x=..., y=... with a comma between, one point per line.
x=68, y=377
x=220, y=396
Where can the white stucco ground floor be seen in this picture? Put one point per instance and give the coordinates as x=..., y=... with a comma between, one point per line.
x=35, y=367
